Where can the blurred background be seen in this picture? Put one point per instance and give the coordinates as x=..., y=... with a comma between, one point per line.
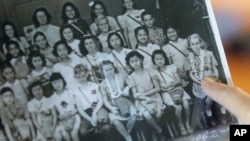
x=233, y=21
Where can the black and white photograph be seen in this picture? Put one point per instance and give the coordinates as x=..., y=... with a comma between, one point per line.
x=110, y=70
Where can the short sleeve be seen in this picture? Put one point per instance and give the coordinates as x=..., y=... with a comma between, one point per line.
x=165, y=48
x=121, y=21
x=113, y=23
x=31, y=107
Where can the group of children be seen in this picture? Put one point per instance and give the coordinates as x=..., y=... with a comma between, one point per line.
x=99, y=82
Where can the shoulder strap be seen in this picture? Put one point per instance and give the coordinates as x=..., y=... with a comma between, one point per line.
x=145, y=52
x=134, y=19
x=93, y=73
x=178, y=49
x=119, y=62
x=77, y=28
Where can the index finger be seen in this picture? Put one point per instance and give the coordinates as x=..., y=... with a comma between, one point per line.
x=232, y=98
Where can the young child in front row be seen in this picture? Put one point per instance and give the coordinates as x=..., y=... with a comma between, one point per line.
x=15, y=118
x=144, y=46
x=65, y=103
x=170, y=84
x=116, y=98
x=201, y=63
x=145, y=88
x=42, y=113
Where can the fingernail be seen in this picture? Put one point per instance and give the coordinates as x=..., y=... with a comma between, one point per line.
x=208, y=79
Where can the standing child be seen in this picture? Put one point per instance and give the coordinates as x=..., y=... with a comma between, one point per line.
x=42, y=114
x=156, y=34
x=172, y=92
x=67, y=35
x=65, y=103
x=17, y=59
x=144, y=46
x=19, y=86
x=145, y=90
x=202, y=63
x=116, y=98
x=39, y=71
x=15, y=117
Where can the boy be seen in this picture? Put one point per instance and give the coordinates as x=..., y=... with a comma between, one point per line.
x=156, y=34
x=15, y=117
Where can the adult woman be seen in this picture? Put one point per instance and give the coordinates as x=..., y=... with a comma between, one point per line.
x=41, y=19
x=99, y=9
x=10, y=34
x=129, y=21
x=71, y=16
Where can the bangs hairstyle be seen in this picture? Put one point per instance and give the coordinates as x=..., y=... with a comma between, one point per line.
x=115, y=34
x=39, y=33
x=160, y=52
x=34, y=84
x=133, y=54
x=6, y=89
x=124, y=9
x=69, y=49
x=62, y=29
x=82, y=46
x=108, y=62
x=34, y=18
x=92, y=10
x=35, y=54
x=57, y=76
x=63, y=12
x=5, y=36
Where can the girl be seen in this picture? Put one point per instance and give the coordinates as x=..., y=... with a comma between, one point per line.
x=15, y=117
x=44, y=48
x=41, y=19
x=92, y=58
x=67, y=36
x=129, y=21
x=144, y=46
x=17, y=59
x=115, y=94
x=171, y=88
x=39, y=71
x=201, y=63
x=42, y=114
x=67, y=62
x=10, y=34
x=90, y=102
x=118, y=52
x=64, y=102
x=71, y=16
x=145, y=91
x=99, y=9
x=19, y=86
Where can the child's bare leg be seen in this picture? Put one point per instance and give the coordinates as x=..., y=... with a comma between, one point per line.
x=131, y=123
x=151, y=121
x=122, y=130
x=187, y=115
x=75, y=131
x=178, y=113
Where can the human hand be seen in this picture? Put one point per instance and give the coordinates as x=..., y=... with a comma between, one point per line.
x=236, y=100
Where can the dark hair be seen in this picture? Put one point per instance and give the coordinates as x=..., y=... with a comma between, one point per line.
x=62, y=29
x=108, y=62
x=82, y=46
x=34, y=84
x=64, y=16
x=34, y=18
x=8, y=55
x=92, y=10
x=35, y=54
x=38, y=33
x=144, y=13
x=59, y=43
x=56, y=76
x=137, y=31
x=173, y=27
x=115, y=34
x=5, y=65
x=5, y=37
x=132, y=54
x=161, y=52
x=124, y=8
x=6, y=89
